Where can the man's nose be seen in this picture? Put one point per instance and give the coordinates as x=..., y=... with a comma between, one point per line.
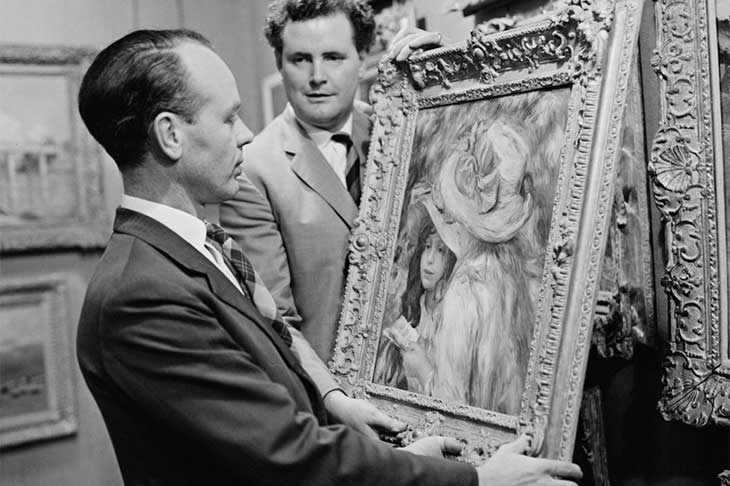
x=243, y=135
x=317, y=75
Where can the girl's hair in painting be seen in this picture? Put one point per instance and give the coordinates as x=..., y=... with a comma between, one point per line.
x=411, y=302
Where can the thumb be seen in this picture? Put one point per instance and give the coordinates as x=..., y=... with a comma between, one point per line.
x=449, y=445
x=517, y=446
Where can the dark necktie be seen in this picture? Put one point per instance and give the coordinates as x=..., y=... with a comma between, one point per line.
x=247, y=277
x=352, y=168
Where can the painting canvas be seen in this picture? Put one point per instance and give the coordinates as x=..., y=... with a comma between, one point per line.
x=50, y=172
x=36, y=399
x=476, y=255
x=460, y=286
x=689, y=172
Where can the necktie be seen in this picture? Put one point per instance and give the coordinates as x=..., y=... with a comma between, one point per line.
x=352, y=168
x=248, y=278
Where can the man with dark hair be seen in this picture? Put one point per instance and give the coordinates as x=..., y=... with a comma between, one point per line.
x=179, y=341
x=300, y=191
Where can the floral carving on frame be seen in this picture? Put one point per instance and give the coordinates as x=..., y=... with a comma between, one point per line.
x=689, y=174
x=475, y=258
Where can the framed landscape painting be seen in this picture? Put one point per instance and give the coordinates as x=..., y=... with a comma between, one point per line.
x=36, y=389
x=476, y=255
x=690, y=170
x=51, y=192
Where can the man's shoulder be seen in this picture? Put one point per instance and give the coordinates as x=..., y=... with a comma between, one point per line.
x=279, y=129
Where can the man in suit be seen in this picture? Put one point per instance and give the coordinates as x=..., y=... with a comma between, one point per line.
x=299, y=193
x=195, y=374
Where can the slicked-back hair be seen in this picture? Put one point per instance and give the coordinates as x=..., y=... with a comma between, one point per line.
x=283, y=11
x=129, y=83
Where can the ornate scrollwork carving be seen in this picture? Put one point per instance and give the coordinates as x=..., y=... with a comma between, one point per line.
x=696, y=384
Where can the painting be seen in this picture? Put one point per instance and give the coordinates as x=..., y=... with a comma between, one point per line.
x=36, y=395
x=689, y=173
x=476, y=256
x=624, y=311
x=471, y=256
x=51, y=193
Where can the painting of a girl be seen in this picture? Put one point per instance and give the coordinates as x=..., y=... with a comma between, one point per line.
x=410, y=338
x=487, y=188
x=464, y=335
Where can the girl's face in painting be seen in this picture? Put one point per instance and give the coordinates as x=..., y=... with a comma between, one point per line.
x=433, y=261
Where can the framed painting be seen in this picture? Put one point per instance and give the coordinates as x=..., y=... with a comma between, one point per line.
x=51, y=193
x=476, y=255
x=36, y=391
x=689, y=172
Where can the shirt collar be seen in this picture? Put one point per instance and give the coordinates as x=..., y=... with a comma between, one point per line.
x=320, y=136
x=187, y=226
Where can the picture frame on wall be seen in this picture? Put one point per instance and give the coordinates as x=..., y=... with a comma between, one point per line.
x=475, y=256
x=36, y=385
x=51, y=185
x=689, y=173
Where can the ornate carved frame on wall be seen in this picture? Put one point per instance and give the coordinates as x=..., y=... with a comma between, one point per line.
x=584, y=49
x=687, y=173
x=36, y=389
x=51, y=188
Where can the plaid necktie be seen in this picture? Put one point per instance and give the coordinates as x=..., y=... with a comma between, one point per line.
x=248, y=278
x=352, y=168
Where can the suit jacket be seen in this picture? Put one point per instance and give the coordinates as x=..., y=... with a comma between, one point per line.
x=196, y=388
x=293, y=218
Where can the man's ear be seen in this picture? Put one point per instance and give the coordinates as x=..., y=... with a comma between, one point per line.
x=167, y=133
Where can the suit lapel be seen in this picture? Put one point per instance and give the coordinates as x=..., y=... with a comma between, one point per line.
x=311, y=167
x=177, y=249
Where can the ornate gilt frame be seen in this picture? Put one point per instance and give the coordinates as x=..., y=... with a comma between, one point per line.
x=587, y=46
x=687, y=174
x=90, y=224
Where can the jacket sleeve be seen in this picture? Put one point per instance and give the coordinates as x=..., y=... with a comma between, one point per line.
x=167, y=351
x=249, y=219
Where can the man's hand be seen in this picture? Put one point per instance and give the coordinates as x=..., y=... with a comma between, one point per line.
x=509, y=467
x=360, y=415
x=411, y=39
x=435, y=446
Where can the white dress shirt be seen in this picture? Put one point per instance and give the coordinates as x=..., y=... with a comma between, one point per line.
x=185, y=225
